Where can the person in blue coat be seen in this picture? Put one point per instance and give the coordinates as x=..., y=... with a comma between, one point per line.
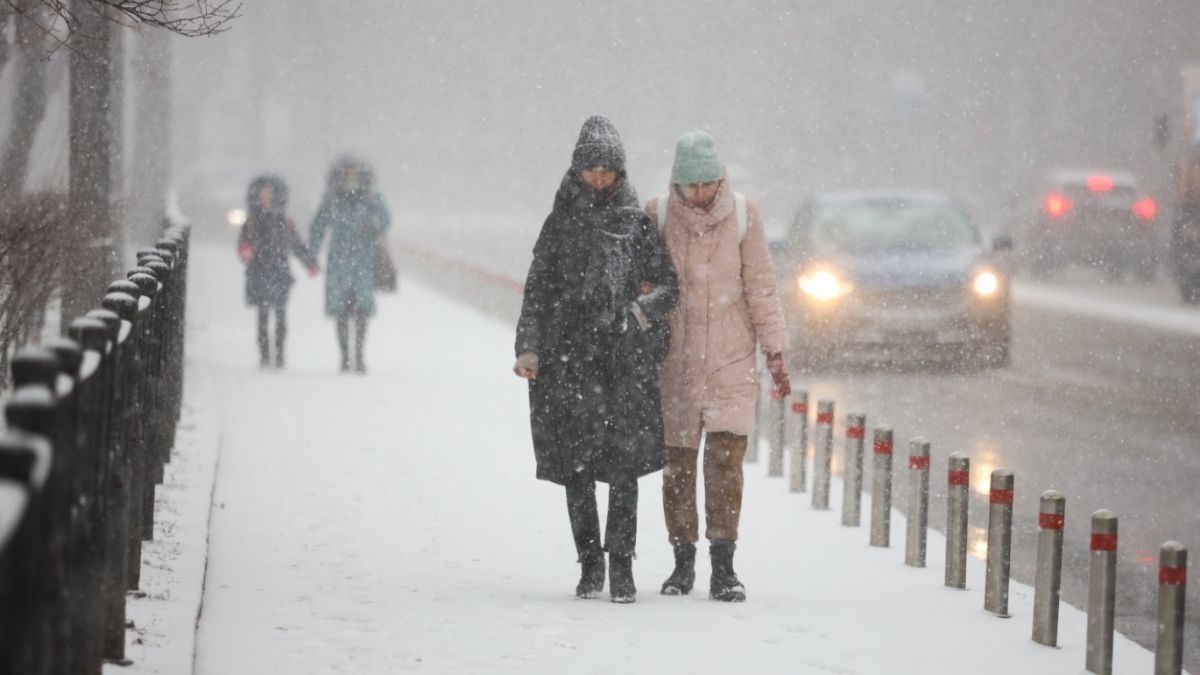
x=353, y=214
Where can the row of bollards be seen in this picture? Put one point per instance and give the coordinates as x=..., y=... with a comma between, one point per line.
x=785, y=434
x=90, y=425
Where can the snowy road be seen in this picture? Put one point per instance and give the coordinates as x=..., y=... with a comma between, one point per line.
x=1102, y=402
x=390, y=523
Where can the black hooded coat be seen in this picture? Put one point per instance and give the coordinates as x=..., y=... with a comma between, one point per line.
x=595, y=407
x=272, y=237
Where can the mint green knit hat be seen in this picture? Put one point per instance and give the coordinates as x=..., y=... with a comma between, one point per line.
x=696, y=159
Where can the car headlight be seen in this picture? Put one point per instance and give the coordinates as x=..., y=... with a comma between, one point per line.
x=823, y=285
x=236, y=217
x=986, y=283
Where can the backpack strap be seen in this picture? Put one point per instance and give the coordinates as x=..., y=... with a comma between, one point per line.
x=743, y=218
x=662, y=213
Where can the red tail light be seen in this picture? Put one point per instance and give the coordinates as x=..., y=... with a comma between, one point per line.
x=1145, y=209
x=1057, y=205
x=1099, y=183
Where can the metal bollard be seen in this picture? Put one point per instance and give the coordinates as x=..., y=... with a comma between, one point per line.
x=881, y=491
x=918, y=502
x=760, y=423
x=1102, y=592
x=856, y=431
x=957, y=501
x=775, y=432
x=823, y=454
x=1172, y=589
x=1048, y=581
x=999, y=552
x=798, y=431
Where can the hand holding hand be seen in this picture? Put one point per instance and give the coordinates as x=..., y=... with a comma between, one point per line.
x=646, y=288
x=245, y=251
x=526, y=366
x=314, y=271
x=779, y=375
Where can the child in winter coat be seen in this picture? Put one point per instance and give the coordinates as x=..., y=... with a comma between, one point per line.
x=589, y=341
x=728, y=306
x=266, y=239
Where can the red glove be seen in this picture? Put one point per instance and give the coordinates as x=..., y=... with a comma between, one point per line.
x=245, y=251
x=779, y=375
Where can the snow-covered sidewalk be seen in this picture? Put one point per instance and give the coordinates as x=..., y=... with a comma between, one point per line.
x=391, y=523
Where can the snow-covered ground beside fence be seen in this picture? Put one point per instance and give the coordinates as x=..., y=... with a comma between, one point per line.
x=391, y=523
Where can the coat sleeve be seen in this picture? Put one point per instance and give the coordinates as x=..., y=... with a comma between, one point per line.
x=759, y=287
x=382, y=217
x=655, y=266
x=320, y=225
x=296, y=244
x=540, y=291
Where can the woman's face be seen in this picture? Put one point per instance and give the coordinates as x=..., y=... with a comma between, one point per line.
x=351, y=180
x=698, y=194
x=266, y=197
x=599, y=178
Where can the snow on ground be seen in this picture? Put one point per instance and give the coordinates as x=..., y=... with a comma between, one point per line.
x=391, y=523
x=163, y=612
x=1134, y=311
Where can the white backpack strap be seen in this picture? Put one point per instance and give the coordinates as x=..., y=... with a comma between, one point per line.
x=743, y=219
x=662, y=214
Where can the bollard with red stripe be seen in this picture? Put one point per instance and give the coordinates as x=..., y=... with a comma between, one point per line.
x=1048, y=580
x=881, y=489
x=1172, y=588
x=918, y=502
x=957, y=500
x=999, y=551
x=852, y=474
x=822, y=454
x=797, y=428
x=775, y=434
x=1102, y=592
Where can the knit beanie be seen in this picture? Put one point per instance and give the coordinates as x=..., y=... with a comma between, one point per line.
x=599, y=144
x=696, y=160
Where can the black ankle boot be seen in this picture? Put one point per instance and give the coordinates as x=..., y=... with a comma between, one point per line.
x=724, y=585
x=620, y=577
x=684, y=575
x=591, y=577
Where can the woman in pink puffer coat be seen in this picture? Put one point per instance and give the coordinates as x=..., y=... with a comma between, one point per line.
x=728, y=307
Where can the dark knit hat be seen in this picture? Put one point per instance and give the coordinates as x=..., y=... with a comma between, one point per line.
x=599, y=144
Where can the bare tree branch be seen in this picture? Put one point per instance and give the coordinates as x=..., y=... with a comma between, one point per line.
x=190, y=18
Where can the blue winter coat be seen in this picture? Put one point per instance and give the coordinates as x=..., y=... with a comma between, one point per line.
x=355, y=220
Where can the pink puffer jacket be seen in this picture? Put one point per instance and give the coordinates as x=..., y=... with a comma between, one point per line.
x=728, y=302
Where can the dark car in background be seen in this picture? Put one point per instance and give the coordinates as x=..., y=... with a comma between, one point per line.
x=886, y=274
x=1097, y=219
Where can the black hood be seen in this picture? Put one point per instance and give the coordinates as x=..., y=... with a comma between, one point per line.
x=599, y=144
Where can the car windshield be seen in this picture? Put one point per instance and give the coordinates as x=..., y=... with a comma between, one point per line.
x=885, y=225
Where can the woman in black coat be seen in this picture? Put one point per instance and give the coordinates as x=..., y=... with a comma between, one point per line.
x=267, y=237
x=593, y=328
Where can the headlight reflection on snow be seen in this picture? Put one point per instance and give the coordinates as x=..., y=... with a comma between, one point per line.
x=977, y=542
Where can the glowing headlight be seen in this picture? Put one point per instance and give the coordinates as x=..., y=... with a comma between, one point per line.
x=986, y=283
x=822, y=285
x=236, y=217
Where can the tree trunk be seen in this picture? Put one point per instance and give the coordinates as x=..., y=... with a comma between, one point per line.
x=29, y=102
x=92, y=149
x=151, y=176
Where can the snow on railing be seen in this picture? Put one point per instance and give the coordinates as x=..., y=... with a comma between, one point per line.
x=90, y=425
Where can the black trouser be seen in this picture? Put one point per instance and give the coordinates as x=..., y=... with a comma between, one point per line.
x=620, y=534
x=343, y=336
x=264, y=339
